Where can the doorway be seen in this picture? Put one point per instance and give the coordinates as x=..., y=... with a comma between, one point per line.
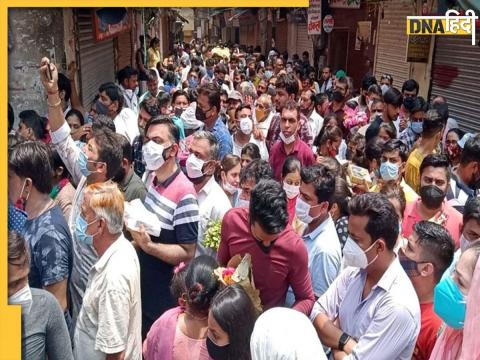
x=338, y=45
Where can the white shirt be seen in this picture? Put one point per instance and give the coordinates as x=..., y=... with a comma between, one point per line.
x=126, y=124
x=386, y=323
x=315, y=122
x=213, y=203
x=84, y=256
x=130, y=99
x=237, y=148
x=111, y=317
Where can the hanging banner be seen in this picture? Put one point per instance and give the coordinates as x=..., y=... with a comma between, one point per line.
x=314, y=18
x=109, y=22
x=345, y=4
x=418, y=48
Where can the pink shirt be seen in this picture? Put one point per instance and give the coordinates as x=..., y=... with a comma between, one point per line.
x=449, y=217
x=286, y=264
x=278, y=155
x=185, y=348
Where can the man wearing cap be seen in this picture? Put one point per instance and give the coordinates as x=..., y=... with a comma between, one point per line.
x=465, y=180
x=234, y=101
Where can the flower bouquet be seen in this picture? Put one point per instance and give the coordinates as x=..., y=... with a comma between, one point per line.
x=212, y=235
x=354, y=118
x=239, y=271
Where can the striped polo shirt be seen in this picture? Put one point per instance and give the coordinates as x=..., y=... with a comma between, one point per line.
x=174, y=201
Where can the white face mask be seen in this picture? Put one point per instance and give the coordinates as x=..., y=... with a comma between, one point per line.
x=242, y=203
x=153, y=155
x=246, y=125
x=22, y=297
x=291, y=190
x=194, y=166
x=354, y=256
x=288, y=140
x=229, y=187
x=464, y=243
x=302, y=210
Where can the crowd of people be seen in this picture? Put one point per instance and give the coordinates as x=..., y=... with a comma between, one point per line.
x=294, y=216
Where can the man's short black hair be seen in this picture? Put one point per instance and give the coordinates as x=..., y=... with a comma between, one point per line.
x=396, y=145
x=374, y=149
x=213, y=94
x=32, y=159
x=418, y=104
x=382, y=218
x=109, y=150
x=432, y=124
x=442, y=109
x=436, y=245
x=126, y=147
x=64, y=85
x=151, y=105
x=268, y=206
x=37, y=123
x=287, y=82
x=471, y=210
x=323, y=181
x=256, y=170
x=471, y=150
x=367, y=81
x=126, y=73
x=436, y=161
x=410, y=85
x=103, y=121
x=164, y=120
x=393, y=97
x=113, y=92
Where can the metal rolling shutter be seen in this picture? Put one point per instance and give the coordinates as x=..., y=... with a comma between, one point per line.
x=281, y=35
x=392, y=42
x=96, y=60
x=455, y=74
x=304, y=43
x=125, y=49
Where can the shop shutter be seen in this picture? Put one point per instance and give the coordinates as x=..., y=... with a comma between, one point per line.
x=304, y=42
x=392, y=41
x=96, y=60
x=125, y=49
x=281, y=35
x=455, y=74
x=244, y=34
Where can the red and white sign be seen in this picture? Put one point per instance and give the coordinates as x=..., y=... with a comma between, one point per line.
x=314, y=18
x=328, y=23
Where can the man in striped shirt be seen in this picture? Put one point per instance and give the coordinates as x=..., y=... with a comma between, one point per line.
x=172, y=197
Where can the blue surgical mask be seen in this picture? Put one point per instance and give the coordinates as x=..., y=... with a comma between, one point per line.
x=210, y=73
x=389, y=171
x=449, y=303
x=83, y=163
x=81, y=230
x=268, y=74
x=417, y=127
x=192, y=83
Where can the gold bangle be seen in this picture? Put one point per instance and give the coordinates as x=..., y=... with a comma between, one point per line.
x=56, y=104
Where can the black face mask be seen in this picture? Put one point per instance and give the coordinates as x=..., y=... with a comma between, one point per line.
x=337, y=96
x=200, y=114
x=408, y=103
x=217, y=352
x=432, y=196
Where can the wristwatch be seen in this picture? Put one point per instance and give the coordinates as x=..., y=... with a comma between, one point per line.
x=342, y=341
